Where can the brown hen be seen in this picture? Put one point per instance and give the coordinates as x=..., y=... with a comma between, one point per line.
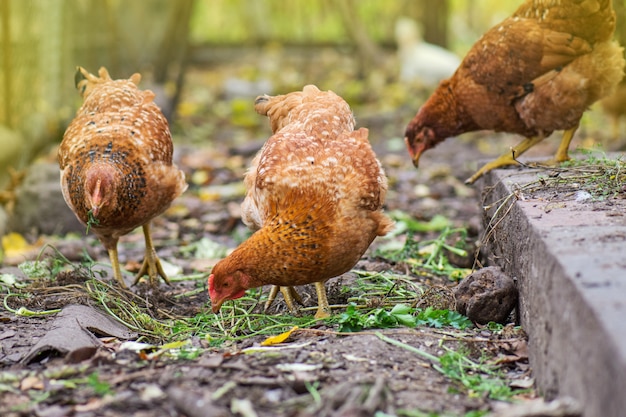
x=315, y=194
x=116, y=164
x=535, y=72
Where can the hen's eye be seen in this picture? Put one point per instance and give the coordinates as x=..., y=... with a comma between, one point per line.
x=225, y=285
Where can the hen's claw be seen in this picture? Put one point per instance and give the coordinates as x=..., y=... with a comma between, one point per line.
x=506, y=158
x=509, y=157
x=151, y=265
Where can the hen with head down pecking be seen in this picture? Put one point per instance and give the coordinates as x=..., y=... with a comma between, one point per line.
x=116, y=164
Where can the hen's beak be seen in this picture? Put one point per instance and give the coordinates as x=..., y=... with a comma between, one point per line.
x=216, y=305
x=416, y=160
x=415, y=156
x=96, y=199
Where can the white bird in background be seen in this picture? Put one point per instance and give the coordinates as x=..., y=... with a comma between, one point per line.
x=422, y=62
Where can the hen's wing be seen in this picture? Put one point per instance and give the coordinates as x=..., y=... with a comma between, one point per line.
x=345, y=170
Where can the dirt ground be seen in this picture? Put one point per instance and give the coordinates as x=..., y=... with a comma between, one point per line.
x=316, y=372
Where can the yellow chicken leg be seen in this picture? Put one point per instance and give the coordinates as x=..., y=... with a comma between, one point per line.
x=151, y=265
x=115, y=265
x=323, y=309
x=507, y=158
x=561, y=153
x=289, y=294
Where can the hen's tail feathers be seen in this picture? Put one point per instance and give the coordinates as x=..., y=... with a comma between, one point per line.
x=85, y=81
x=385, y=224
x=260, y=104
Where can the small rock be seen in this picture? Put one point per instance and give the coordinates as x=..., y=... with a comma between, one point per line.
x=486, y=295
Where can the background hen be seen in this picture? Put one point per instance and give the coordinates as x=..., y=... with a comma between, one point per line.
x=315, y=192
x=421, y=62
x=536, y=72
x=116, y=164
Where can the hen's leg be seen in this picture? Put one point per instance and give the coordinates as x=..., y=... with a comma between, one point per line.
x=323, y=309
x=507, y=158
x=289, y=298
x=151, y=264
x=271, y=297
x=115, y=265
x=290, y=294
x=561, y=153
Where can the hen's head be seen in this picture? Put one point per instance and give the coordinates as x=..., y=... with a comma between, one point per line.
x=438, y=119
x=419, y=137
x=225, y=284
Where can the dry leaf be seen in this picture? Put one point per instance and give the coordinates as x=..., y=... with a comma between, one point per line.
x=31, y=382
x=274, y=340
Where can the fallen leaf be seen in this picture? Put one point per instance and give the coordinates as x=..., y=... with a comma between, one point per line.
x=274, y=340
x=13, y=243
x=75, y=328
x=17, y=249
x=31, y=382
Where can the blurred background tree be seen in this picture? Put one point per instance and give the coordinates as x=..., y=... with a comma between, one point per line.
x=43, y=42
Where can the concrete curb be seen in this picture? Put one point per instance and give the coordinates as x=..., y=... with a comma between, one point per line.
x=569, y=259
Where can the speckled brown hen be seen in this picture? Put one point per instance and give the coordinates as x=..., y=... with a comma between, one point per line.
x=116, y=164
x=315, y=194
x=535, y=72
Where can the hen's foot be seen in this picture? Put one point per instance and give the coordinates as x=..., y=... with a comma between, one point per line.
x=323, y=309
x=506, y=159
x=289, y=294
x=561, y=153
x=151, y=265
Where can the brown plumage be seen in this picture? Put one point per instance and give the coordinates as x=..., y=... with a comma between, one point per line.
x=535, y=72
x=116, y=164
x=315, y=197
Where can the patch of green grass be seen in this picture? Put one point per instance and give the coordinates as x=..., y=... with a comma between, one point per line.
x=236, y=321
x=35, y=269
x=602, y=177
x=383, y=288
x=478, y=378
x=440, y=318
x=354, y=320
x=430, y=256
x=99, y=387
